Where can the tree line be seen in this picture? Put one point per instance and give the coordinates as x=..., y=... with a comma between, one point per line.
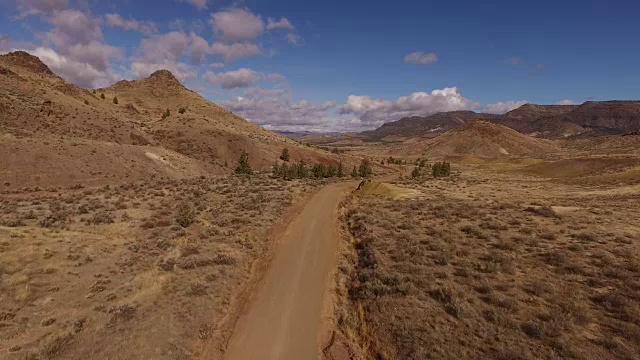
x=301, y=170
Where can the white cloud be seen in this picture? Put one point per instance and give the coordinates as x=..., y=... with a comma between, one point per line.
x=420, y=58
x=375, y=112
x=165, y=47
x=275, y=109
x=234, y=79
x=237, y=25
x=72, y=27
x=283, y=23
x=503, y=107
x=39, y=7
x=199, y=48
x=235, y=51
x=276, y=77
x=566, y=102
x=216, y=65
x=94, y=53
x=294, y=39
x=145, y=27
x=200, y=4
x=77, y=72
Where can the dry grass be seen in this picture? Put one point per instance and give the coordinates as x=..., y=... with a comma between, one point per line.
x=478, y=270
x=133, y=271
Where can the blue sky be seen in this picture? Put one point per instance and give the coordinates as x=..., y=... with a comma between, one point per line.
x=342, y=65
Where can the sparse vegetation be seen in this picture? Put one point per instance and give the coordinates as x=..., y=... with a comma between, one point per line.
x=473, y=270
x=166, y=114
x=115, y=100
x=102, y=96
x=182, y=110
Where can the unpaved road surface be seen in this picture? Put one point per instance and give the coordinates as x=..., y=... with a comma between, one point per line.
x=283, y=319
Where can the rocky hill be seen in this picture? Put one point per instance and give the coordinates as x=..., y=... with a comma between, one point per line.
x=56, y=133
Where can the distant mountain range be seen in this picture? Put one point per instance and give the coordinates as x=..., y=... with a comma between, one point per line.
x=544, y=121
x=301, y=134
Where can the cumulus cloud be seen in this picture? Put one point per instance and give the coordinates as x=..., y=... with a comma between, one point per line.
x=283, y=23
x=216, y=65
x=566, y=102
x=94, y=53
x=73, y=27
x=503, y=107
x=75, y=44
x=77, y=72
x=275, y=109
x=145, y=27
x=420, y=58
x=234, y=79
x=39, y=7
x=199, y=48
x=375, y=112
x=200, y=4
x=236, y=25
x=236, y=51
x=165, y=47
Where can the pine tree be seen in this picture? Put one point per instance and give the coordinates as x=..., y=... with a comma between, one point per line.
x=243, y=167
x=303, y=172
x=275, y=170
x=354, y=172
x=340, y=169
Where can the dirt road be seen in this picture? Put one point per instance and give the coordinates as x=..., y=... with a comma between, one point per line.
x=283, y=320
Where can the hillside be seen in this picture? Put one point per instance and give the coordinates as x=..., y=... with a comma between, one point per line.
x=86, y=137
x=419, y=126
x=481, y=139
x=542, y=121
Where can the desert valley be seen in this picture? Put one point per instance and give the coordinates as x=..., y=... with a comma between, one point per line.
x=142, y=221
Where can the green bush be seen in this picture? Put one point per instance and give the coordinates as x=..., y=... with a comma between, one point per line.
x=115, y=100
x=102, y=96
x=166, y=114
x=182, y=110
x=441, y=169
x=243, y=167
x=185, y=215
x=285, y=155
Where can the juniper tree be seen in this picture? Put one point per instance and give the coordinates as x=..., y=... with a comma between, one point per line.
x=364, y=170
x=285, y=155
x=243, y=167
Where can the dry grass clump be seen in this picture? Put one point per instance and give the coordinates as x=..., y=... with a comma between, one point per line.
x=164, y=255
x=450, y=276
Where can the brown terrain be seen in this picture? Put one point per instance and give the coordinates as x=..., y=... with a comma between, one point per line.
x=125, y=234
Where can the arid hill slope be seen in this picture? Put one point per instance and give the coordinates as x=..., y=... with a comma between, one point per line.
x=481, y=139
x=55, y=133
x=544, y=121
